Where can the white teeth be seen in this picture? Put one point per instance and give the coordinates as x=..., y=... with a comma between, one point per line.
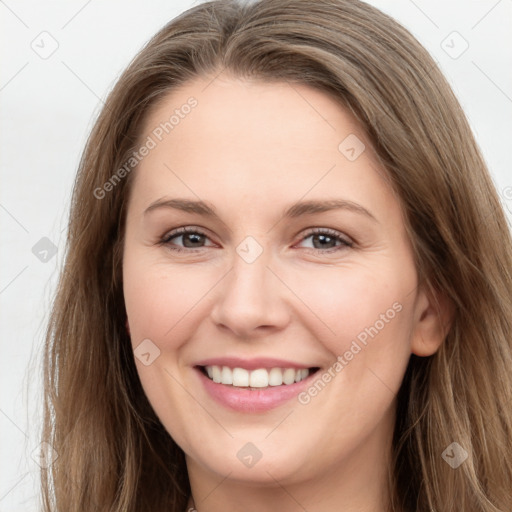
x=301, y=374
x=240, y=377
x=226, y=375
x=217, y=376
x=275, y=377
x=289, y=376
x=260, y=378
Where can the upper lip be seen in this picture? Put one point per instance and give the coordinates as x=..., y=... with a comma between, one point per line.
x=252, y=364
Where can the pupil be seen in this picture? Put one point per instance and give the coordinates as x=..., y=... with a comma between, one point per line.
x=323, y=238
x=198, y=238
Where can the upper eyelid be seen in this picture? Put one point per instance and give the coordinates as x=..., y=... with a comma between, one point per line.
x=186, y=229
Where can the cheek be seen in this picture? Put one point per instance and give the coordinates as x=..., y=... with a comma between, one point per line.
x=347, y=301
x=364, y=315
x=161, y=299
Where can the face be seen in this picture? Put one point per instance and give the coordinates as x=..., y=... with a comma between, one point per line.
x=265, y=247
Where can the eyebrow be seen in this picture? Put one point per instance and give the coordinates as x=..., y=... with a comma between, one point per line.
x=294, y=211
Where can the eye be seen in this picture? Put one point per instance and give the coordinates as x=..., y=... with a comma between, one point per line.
x=191, y=237
x=325, y=240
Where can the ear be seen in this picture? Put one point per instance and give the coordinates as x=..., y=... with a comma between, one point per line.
x=433, y=317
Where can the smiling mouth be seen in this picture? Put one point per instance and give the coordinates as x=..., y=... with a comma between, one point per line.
x=258, y=379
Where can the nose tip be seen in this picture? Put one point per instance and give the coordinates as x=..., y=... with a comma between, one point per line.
x=250, y=300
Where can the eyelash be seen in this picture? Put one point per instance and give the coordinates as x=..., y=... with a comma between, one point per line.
x=315, y=231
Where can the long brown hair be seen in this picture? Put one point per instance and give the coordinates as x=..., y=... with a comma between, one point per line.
x=113, y=452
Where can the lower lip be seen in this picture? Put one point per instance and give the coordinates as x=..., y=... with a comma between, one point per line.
x=252, y=400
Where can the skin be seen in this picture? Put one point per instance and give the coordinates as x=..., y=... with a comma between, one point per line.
x=250, y=150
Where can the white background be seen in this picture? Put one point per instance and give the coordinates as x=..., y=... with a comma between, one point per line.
x=48, y=107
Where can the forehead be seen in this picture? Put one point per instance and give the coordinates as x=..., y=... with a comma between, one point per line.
x=224, y=134
x=227, y=106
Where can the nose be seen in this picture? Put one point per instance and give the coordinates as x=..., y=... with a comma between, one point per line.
x=251, y=299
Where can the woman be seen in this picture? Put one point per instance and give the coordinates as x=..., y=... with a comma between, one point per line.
x=203, y=355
